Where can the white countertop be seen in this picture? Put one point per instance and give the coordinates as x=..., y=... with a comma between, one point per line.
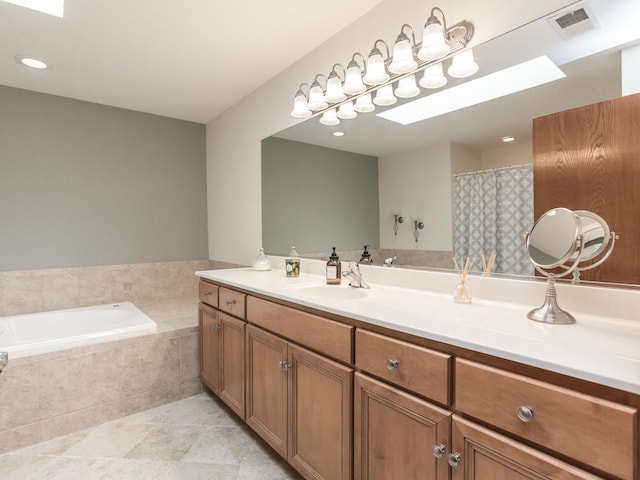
x=605, y=350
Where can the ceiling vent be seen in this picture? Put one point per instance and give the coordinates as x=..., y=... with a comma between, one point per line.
x=573, y=21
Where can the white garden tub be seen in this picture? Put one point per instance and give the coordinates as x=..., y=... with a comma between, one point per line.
x=36, y=333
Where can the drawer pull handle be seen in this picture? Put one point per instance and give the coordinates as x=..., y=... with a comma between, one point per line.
x=525, y=414
x=392, y=364
x=206, y=294
x=438, y=450
x=454, y=459
x=230, y=302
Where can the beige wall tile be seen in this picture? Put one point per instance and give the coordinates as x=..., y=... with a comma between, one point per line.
x=190, y=388
x=65, y=385
x=22, y=292
x=19, y=385
x=189, y=357
x=19, y=437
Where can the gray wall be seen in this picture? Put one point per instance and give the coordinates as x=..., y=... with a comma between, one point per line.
x=86, y=184
x=315, y=198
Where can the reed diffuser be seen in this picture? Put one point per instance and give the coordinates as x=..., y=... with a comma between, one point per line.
x=462, y=293
x=487, y=264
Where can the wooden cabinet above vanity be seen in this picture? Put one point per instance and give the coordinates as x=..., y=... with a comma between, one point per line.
x=340, y=398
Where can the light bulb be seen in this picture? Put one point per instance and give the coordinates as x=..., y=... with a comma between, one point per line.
x=364, y=104
x=384, y=96
x=433, y=77
x=330, y=117
x=463, y=65
x=407, y=87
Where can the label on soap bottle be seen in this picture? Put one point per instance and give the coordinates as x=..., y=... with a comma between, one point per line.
x=332, y=272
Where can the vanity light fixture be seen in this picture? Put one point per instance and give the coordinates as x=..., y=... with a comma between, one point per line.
x=384, y=96
x=316, y=95
x=330, y=117
x=364, y=104
x=377, y=73
x=403, y=59
x=300, y=104
x=407, y=87
x=338, y=134
x=346, y=111
x=508, y=139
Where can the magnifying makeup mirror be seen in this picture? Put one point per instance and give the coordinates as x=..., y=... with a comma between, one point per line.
x=560, y=240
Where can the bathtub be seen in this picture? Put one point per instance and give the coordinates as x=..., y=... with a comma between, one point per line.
x=36, y=333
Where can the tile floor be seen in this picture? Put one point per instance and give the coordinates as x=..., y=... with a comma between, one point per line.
x=193, y=439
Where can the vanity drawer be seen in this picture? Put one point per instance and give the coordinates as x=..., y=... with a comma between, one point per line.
x=232, y=302
x=208, y=293
x=415, y=368
x=591, y=430
x=330, y=338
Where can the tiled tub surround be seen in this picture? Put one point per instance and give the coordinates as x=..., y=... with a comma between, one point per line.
x=53, y=394
x=30, y=291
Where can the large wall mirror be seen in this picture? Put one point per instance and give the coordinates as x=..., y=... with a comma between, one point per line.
x=396, y=170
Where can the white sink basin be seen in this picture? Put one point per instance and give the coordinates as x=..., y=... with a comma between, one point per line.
x=328, y=292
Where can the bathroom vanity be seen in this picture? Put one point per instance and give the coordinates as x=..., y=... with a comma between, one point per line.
x=396, y=382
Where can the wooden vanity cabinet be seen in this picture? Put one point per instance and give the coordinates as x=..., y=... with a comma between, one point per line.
x=482, y=454
x=338, y=402
x=208, y=326
x=395, y=434
x=299, y=401
x=222, y=342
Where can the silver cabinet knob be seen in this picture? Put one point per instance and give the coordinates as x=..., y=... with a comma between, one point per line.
x=525, y=414
x=392, y=364
x=216, y=327
x=438, y=450
x=454, y=459
x=285, y=366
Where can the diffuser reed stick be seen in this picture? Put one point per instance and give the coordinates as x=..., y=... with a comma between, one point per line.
x=462, y=293
x=487, y=265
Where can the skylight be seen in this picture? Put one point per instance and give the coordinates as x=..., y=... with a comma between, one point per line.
x=514, y=79
x=50, y=7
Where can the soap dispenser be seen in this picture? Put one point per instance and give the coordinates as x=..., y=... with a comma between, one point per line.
x=334, y=276
x=366, y=256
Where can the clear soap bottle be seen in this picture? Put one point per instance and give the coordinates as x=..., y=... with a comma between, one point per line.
x=334, y=275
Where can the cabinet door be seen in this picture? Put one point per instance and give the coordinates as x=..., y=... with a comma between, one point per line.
x=231, y=380
x=266, y=384
x=485, y=454
x=209, y=327
x=395, y=433
x=320, y=406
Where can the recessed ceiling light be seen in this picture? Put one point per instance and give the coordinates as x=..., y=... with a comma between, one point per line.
x=50, y=7
x=508, y=139
x=495, y=85
x=338, y=134
x=32, y=62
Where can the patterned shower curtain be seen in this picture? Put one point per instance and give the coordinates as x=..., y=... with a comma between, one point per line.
x=492, y=211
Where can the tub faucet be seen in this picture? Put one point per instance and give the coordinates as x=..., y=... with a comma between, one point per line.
x=389, y=261
x=355, y=276
x=4, y=359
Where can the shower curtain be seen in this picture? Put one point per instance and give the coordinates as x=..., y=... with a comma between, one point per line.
x=492, y=211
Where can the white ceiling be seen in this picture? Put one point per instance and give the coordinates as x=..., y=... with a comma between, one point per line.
x=188, y=59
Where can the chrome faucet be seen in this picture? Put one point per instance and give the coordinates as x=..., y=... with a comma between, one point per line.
x=354, y=275
x=389, y=261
